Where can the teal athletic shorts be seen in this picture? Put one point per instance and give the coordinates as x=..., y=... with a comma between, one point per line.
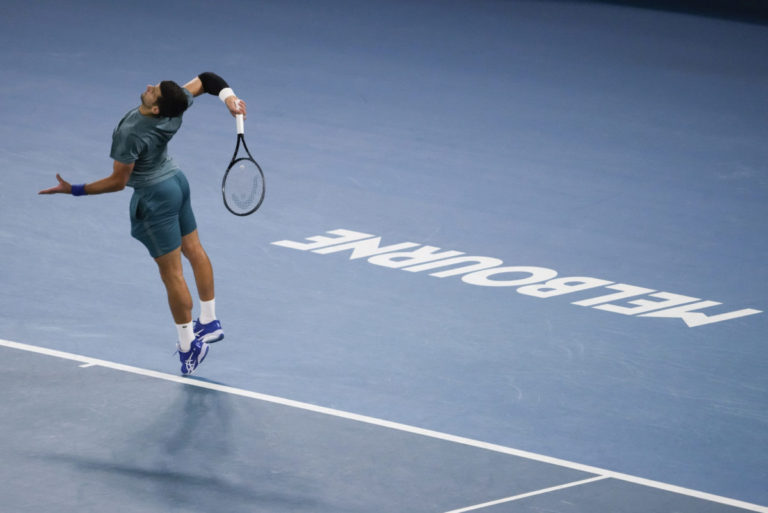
x=161, y=214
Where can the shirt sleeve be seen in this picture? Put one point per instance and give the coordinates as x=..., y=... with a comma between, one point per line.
x=126, y=147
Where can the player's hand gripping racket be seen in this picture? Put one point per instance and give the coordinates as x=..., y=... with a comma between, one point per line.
x=243, y=184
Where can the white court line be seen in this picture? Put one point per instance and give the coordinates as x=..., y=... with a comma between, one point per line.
x=389, y=424
x=529, y=494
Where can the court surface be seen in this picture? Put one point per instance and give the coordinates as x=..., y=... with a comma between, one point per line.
x=511, y=259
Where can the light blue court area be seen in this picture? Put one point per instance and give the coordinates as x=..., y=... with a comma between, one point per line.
x=512, y=257
x=139, y=440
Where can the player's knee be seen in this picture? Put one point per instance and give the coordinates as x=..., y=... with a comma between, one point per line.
x=171, y=276
x=194, y=252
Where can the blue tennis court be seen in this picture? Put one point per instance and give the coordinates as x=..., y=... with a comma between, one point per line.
x=511, y=259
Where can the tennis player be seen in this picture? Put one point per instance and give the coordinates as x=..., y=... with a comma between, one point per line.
x=160, y=209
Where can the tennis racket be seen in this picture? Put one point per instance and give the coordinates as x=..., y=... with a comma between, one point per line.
x=243, y=183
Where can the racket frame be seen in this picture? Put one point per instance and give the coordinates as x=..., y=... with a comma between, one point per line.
x=235, y=160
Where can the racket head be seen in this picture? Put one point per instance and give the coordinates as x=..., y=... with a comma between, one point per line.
x=243, y=186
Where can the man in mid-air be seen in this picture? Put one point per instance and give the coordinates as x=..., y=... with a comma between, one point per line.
x=160, y=209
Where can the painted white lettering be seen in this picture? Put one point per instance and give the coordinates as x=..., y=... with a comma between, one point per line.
x=692, y=318
x=482, y=278
x=417, y=256
x=626, y=291
x=531, y=281
x=645, y=305
x=560, y=286
x=320, y=241
x=364, y=248
x=480, y=263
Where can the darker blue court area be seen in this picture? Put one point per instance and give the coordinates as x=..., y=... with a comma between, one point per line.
x=607, y=144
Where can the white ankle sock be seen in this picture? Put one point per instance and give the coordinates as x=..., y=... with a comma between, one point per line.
x=186, y=336
x=207, y=311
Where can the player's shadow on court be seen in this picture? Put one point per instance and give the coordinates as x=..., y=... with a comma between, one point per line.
x=191, y=459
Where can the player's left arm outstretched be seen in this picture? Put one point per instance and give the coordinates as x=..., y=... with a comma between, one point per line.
x=112, y=183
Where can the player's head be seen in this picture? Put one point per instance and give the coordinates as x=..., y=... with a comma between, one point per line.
x=165, y=99
x=172, y=101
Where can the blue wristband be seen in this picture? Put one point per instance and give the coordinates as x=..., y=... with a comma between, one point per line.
x=78, y=190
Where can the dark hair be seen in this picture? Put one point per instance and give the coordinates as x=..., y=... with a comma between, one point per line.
x=172, y=101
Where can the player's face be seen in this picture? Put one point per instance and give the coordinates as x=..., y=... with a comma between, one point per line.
x=150, y=95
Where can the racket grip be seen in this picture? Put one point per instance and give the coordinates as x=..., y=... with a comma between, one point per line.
x=240, y=124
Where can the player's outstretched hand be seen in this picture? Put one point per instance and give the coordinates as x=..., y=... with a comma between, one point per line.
x=236, y=106
x=64, y=187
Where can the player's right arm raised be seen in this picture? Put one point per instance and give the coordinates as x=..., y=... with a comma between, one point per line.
x=212, y=83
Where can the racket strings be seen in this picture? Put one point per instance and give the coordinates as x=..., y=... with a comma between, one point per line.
x=243, y=187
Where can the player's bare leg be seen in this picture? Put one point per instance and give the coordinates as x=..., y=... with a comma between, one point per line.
x=201, y=265
x=192, y=351
x=207, y=327
x=172, y=274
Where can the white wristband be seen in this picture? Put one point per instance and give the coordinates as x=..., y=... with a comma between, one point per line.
x=226, y=93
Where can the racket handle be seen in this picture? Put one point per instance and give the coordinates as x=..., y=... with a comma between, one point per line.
x=240, y=124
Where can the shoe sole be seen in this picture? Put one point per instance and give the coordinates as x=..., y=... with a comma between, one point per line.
x=214, y=337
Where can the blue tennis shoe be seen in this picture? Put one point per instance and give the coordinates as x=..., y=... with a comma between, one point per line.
x=194, y=357
x=208, y=333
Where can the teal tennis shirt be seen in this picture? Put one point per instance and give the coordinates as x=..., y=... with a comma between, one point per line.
x=143, y=141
